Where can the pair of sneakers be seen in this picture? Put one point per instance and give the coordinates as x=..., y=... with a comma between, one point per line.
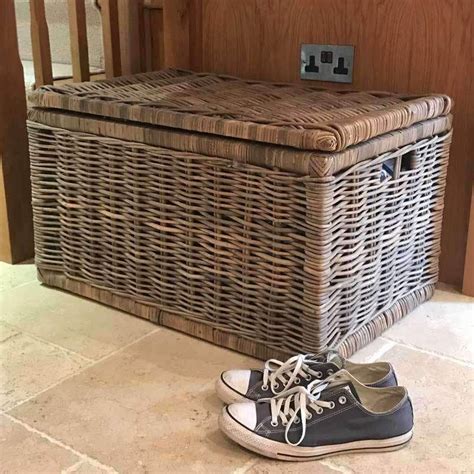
x=312, y=406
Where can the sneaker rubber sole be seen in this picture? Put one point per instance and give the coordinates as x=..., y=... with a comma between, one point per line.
x=285, y=452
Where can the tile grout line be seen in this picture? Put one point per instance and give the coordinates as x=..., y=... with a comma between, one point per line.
x=82, y=456
x=246, y=466
x=45, y=341
x=335, y=467
x=72, y=467
x=11, y=336
x=80, y=371
x=253, y=462
x=464, y=363
x=5, y=290
x=385, y=348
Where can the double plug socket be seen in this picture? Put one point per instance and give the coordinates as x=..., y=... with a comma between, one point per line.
x=327, y=62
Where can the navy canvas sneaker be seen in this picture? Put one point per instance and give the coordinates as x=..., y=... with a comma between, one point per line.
x=300, y=370
x=333, y=416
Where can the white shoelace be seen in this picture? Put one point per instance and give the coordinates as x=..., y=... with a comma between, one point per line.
x=289, y=372
x=293, y=406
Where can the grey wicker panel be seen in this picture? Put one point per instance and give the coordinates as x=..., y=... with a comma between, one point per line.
x=296, y=115
x=296, y=263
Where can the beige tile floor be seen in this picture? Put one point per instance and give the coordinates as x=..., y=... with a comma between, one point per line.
x=87, y=389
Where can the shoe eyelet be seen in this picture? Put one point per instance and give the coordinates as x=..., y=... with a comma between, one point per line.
x=276, y=386
x=319, y=410
x=285, y=423
x=297, y=420
x=309, y=416
x=308, y=377
x=332, y=405
x=319, y=374
x=264, y=388
x=330, y=372
x=342, y=400
x=274, y=424
x=297, y=380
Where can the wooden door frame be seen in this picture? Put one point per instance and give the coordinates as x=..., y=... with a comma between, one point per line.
x=16, y=220
x=468, y=278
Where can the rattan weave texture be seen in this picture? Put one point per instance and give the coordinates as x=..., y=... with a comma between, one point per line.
x=299, y=116
x=286, y=261
x=301, y=162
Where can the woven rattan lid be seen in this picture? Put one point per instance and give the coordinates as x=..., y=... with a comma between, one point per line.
x=295, y=115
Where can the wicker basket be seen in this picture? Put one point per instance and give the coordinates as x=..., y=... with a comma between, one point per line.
x=268, y=218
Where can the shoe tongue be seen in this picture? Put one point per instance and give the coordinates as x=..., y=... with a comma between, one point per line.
x=349, y=387
x=344, y=382
x=330, y=357
x=335, y=358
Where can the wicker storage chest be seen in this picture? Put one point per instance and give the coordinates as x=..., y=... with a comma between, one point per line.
x=268, y=218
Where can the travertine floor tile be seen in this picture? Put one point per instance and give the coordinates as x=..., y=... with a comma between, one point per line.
x=7, y=332
x=443, y=399
x=149, y=408
x=15, y=275
x=24, y=452
x=445, y=325
x=279, y=467
x=374, y=351
x=28, y=366
x=78, y=324
x=85, y=467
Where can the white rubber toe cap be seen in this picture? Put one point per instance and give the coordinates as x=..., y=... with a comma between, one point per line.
x=245, y=413
x=238, y=380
